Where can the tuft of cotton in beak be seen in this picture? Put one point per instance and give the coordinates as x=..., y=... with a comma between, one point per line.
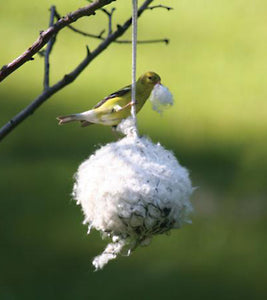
x=131, y=190
x=161, y=98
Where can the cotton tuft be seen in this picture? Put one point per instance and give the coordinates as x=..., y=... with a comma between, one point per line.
x=161, y=98
x=131, y=190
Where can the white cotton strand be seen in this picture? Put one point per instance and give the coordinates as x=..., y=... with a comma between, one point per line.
x=111, y=252
x=130, y=190
x=127, y=127
x=161, y=98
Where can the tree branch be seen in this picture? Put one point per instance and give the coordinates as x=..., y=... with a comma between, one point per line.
x=166, y=41
x=109, y=14
x=160, y=6
x=96, y=36
x=68, y=78
x=102, y=38
x=46, y=35
x=49, y=49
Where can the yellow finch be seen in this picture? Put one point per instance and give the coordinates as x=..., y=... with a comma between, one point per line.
x=117, y=106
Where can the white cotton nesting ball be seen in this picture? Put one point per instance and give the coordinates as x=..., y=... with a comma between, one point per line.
x=130, y=190
x=161, y=98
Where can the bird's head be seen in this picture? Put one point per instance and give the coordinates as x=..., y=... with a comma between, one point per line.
x=149, y=79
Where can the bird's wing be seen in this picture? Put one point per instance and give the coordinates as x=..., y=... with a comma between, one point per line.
x=118, y=93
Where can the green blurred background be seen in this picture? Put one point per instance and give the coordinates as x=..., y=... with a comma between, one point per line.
x=216, y=66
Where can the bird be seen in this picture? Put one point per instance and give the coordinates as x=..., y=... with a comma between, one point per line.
x=117, y=106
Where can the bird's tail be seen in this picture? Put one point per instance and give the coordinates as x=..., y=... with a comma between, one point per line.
x=69, y=118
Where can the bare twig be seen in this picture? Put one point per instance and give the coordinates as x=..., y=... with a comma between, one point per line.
x=46, y=35
x=101, y=37
x=160, y=6
x=96, y=36
x=166, y=41
x=109, y=14
x=68, y=78
x=49, y=49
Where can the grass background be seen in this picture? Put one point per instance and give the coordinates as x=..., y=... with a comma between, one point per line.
x=216, y=66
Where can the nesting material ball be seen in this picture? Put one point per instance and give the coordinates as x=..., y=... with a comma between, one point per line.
x=161, y=98
x=131, y=190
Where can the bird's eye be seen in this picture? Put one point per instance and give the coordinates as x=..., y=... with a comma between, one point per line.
x=150, y=77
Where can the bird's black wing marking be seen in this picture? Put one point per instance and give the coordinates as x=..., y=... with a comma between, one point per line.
x=119, y=93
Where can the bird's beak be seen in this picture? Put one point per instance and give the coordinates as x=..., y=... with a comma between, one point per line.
x=159, y=82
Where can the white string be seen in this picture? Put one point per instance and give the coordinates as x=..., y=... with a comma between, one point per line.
x=134, y=44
